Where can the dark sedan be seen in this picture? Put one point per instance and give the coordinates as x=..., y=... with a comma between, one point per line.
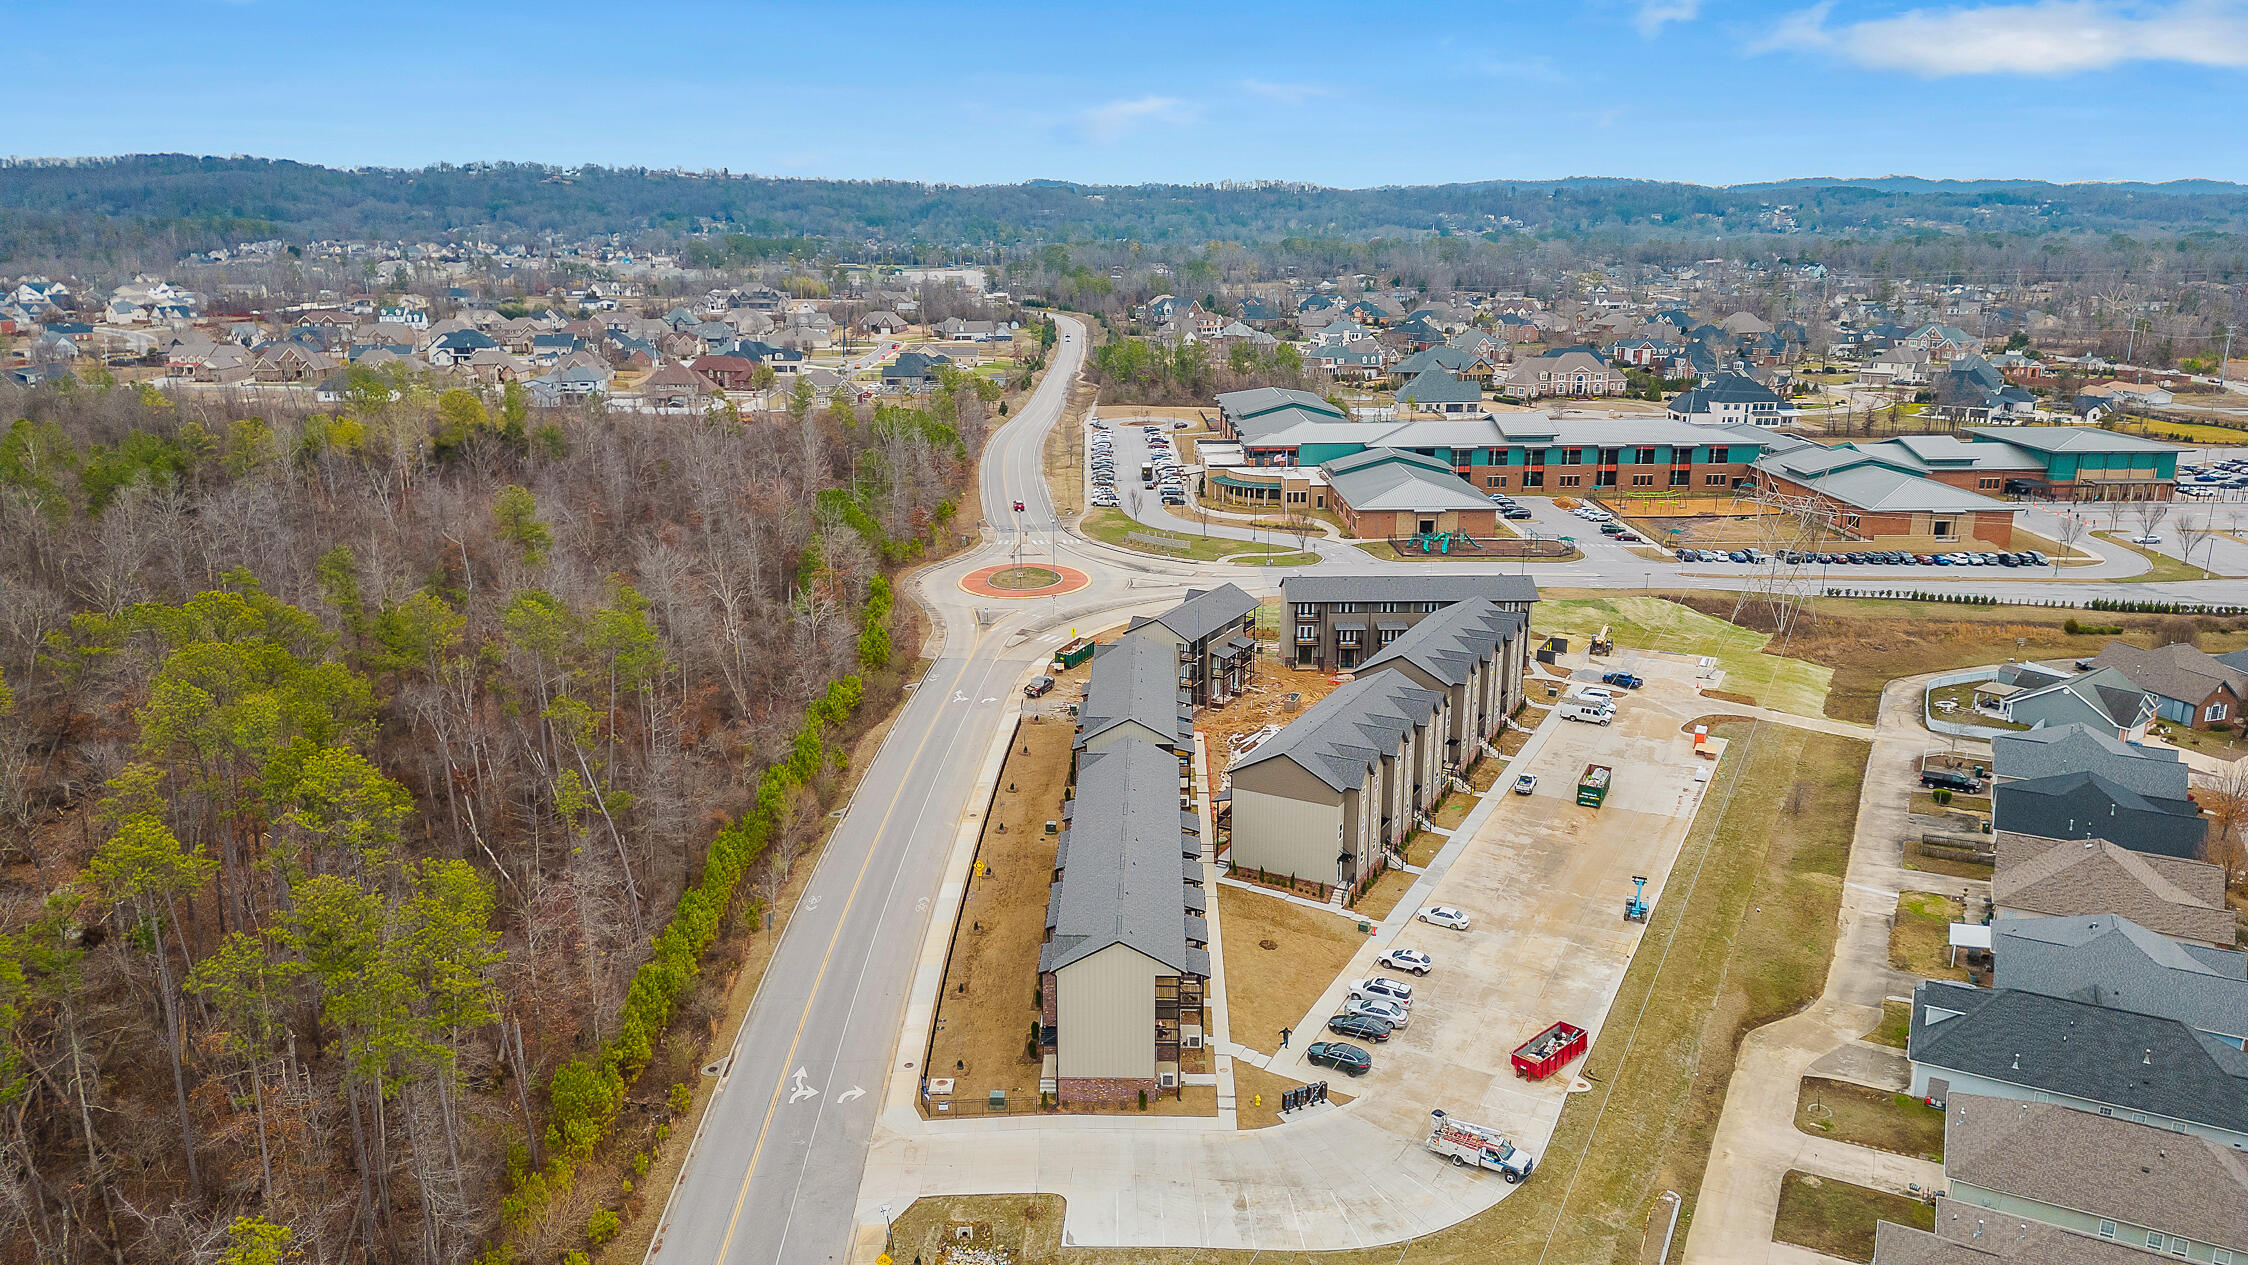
x=1340, y=1055
x=1363, y=1027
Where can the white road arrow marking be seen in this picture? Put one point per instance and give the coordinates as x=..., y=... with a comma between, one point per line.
x=991, y=700
x=922, y=904
x=801, y=1091
x=959, y=697
x=848, y=1094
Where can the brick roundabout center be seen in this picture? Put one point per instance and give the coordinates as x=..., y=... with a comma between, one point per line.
x=1027, y=580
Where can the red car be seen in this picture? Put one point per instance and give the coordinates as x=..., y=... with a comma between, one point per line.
x=1018, y=507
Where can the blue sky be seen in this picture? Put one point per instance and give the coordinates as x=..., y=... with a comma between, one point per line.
x=1713, y=91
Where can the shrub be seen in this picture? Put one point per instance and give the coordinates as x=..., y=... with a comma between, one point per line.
x=1143, y=1100
x=681, y=1098
x=602, y=1226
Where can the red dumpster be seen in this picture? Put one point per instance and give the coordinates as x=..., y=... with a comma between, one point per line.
x=1544, y=1054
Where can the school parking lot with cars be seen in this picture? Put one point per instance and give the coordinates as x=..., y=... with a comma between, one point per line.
x=1523, y=925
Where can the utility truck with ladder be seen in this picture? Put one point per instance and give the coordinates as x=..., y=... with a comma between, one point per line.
x=1474, y=1146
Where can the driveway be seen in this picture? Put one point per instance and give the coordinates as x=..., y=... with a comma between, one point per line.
x=1757, y=1141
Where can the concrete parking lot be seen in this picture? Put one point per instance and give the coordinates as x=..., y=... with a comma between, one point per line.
x=1544, y=881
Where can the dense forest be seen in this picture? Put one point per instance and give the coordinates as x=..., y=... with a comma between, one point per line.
x=375, y=785
x=152, y=208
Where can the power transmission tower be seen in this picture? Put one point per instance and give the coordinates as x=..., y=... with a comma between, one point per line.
x=1789, y=529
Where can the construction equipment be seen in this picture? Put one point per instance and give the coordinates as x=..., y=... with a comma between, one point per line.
x=1635, y=909
x=1602, y=644
x=1592, y=787
x=1546, y=1053
x=1475, y=1146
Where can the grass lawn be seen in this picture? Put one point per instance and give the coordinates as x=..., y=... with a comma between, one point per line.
x=1918, y=858
x=1895, y=1026
x=1115, y=527
x=1962, y=711
x=1925, y=802
x=1388, y=552
x=1920, y=937
x=2224, y=745
x=1383, y=896
x=1422, y=846
x=1877, y=1118
x=1251, y=1081
x=1269, y=988
x=1652, y=623
x=986, y=1009
x=1869, y=642
x=1837, y=1218
x=1280, y=560
x=2165, y=568
x=1455, y=806
x=1749, y=943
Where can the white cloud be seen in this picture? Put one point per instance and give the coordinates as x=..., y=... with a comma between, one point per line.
x=1654, y=14
x=2042, y=37
x=1286, y=93
x=1107, y=124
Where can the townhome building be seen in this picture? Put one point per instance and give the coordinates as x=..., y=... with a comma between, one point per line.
x=1472, y=651
x=1213, y=636
x=2190, y=686
x=1337, y=622
x=2171, y=896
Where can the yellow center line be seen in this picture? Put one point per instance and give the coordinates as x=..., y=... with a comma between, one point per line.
x=781, y=1083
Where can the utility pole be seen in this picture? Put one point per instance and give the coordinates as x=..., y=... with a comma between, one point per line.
x=2224, y=359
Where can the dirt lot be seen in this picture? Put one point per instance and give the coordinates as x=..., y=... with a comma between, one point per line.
x=1250, y=1081
x=1267, y=989
x=1263, y=702
x=988, y=1006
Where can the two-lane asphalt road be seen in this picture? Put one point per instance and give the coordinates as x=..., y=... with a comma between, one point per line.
x=776, y=1165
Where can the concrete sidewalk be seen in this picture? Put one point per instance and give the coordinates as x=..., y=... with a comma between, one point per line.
x=1757, y=1141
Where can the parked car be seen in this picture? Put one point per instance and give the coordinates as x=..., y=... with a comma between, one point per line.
x=1951, y=780
x=1525, y=784
x=1515, y=513
x=2149, y=538
x=1384, y=987
x=1363, y=1027
x=1340, y=1055
x=1039, y=687
x=1624, y=679
x=1444, y=916
x=1410, y=960
x=1388, y=1012
x=1594, y=694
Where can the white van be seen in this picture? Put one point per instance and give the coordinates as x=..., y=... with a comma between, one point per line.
x=1590, y=710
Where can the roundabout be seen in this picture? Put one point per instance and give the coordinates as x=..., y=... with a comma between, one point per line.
x=1028, y=580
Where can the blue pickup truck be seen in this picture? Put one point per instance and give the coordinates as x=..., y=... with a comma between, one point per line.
x=1624, y=679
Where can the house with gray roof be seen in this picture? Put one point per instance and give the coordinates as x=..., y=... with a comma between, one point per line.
x=1447, y=359
x=1732, y=399
x=2190, y=686
x=2109, y=960
x=1332, y=796
x=1437, y=391
x=1968, y=1235
x=1126, y=949
x=2100, y=1177
x=2102, y=698
x=2088, y=806
x=2182, y=899
x=1213, y=636
x=1474, y=652
x=1132, y=692
x=2005, y=1043
x=2062, y=749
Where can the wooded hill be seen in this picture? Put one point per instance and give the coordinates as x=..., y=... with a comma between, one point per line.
x=375, y=785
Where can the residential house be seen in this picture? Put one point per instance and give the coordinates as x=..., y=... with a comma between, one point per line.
x=567, y=385
x=2099, y=1177
x=1435, y=391
x=730, y=373
x=1943, y=342
x=2088, y=806
x=1340, y=621
x=1361, y=361
x=1332, y=796
x=1967, y=1235
x=912, y=368
x=1449, y=360
x=1899, y=366
x=2103, y=698
x=1568, y=371
x=2190, y=686
x=1132, y=693
x=1973, y=390
x=1126, y=952
x=881, y=324
x=1213, y=633
x=2177, y=898
x=1732, y=400
x=2109, y=960
x=41, y=374
x=2057, y=750
x=456, y=347
x=1474, y=652
x=2005, y=1043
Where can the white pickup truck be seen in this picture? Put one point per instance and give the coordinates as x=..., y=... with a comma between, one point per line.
x=1473, y=1146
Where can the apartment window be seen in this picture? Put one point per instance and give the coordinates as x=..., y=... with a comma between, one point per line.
x=1494, y=480
x=2155, y=1241
x=1346, y=636
x=1307, y=634
x=2220, y=1256
x=2107, y=1229
x=1389, y=635
x=1572, y=480
x=1306, y=610
x=1714, y=480
x=1643, y=480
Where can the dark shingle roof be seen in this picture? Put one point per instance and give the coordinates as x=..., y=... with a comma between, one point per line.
x=1448, y=644
x=1204, y=611
x=1134, y=681
x=2079, y=748
x=1340, y=737
x=2111, y=1057
x=2109, y=960
x=1122, y=878
x=1394, y=587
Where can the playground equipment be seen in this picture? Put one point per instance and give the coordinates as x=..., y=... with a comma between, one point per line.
x=1635, y=909
x=1442, y=542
